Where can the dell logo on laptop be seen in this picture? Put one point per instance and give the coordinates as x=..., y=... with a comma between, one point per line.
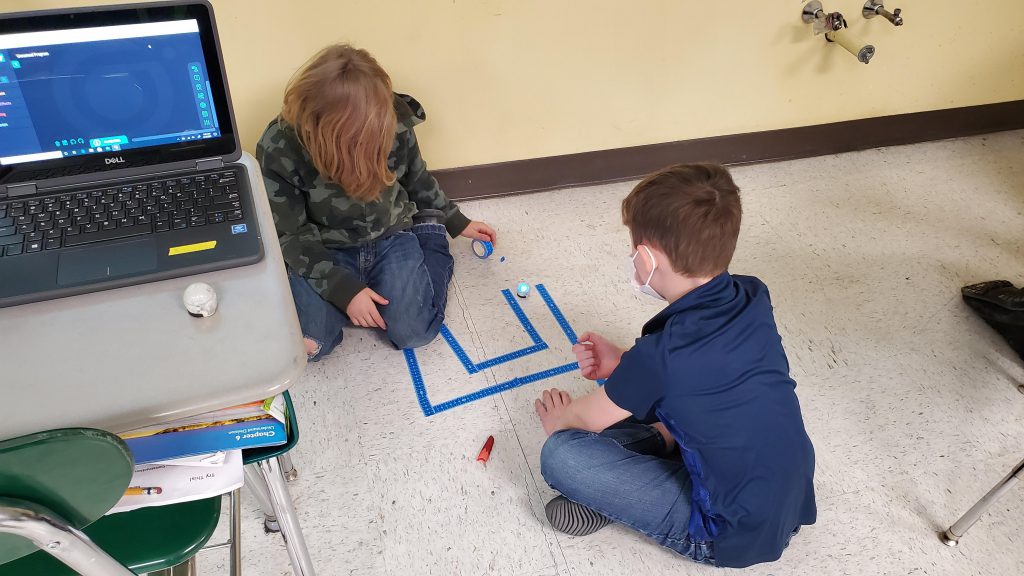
x=114, y=160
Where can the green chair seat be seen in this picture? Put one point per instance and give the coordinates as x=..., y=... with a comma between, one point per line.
x=79, y=474
x=144, y=540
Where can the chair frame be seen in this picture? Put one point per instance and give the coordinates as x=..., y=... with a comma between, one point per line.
x=952, y=535
x=53, y=535
x=267, y=472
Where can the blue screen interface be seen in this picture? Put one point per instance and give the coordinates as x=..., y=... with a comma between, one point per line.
x=85, y=91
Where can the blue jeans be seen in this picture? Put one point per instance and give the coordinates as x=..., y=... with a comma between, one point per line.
x=411, y=268
x=624, y=474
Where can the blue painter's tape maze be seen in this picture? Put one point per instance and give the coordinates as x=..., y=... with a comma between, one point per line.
x=476, y=367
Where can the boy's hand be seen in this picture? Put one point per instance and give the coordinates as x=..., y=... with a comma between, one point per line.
x=480, y=231
x=362, y=310
x=597, y=356
x=551, y=409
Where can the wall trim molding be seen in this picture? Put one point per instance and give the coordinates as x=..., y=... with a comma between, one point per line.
x=603, y=166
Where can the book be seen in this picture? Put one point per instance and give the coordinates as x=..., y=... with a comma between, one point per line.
x=258, y=410
x=252, y=425
x=268, y=431
x=160, y=484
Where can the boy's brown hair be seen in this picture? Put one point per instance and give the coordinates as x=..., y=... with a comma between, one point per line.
x=691, y=212
x=342, y=109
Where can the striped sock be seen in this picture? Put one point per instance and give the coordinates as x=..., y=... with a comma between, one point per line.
x=572, y=518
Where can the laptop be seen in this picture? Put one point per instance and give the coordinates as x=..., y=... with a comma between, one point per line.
x=118, y=151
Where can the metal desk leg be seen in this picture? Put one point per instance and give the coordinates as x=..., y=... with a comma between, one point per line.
x=952, y=535
x=255, y=483
x=235, y=562
x=290, y=473
x=289, y=521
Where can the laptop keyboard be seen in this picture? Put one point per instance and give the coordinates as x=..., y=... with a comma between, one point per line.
x=97, y=215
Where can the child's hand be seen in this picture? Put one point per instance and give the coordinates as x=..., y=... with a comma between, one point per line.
x=480, y=231
x=551, y=408
x=597, y=357
x=362, y=310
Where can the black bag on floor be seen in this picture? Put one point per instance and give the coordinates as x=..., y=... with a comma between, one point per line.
x=1001, y=306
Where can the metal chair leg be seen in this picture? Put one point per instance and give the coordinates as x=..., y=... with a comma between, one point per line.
x=290, y=472
x=302, y=565
x=952, y=535
x=186, y=568
x=255, y=483
x=54, y=536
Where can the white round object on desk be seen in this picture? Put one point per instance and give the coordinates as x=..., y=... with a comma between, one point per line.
x=200, y=300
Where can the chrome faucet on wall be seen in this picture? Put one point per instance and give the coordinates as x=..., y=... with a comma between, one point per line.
x=833, y=26
x=872, y=9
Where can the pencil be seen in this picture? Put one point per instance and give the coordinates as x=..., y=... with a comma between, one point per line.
x=140, y=491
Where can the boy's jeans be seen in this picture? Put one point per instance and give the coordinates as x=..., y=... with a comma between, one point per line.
x=621, y=474
x=411, y=268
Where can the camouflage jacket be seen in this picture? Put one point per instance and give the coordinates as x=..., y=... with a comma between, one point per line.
x=313, y=215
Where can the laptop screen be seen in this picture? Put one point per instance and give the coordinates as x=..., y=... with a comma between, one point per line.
x=100, y=90
x=136, y=89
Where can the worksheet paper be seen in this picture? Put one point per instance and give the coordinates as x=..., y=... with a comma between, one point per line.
x=182, y=483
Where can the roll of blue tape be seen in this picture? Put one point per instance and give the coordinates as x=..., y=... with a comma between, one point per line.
x=483, y=249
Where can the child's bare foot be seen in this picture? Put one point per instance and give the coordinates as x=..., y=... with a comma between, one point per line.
x=311, y=347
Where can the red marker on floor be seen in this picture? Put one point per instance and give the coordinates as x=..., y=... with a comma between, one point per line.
x=485, y=452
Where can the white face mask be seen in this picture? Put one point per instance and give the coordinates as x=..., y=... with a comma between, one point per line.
x=644, y=288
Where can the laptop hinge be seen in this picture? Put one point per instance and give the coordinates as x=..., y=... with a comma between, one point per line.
x=19, y=190
x=209, y=164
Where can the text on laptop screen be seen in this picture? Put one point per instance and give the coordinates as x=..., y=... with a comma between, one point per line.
x=100, y=90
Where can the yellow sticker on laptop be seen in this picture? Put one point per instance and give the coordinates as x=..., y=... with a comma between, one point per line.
x=189, y=248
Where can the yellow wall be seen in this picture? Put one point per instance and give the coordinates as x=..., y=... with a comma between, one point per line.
x=511, y=79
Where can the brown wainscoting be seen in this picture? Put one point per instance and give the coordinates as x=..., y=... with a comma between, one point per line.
x=604, y=166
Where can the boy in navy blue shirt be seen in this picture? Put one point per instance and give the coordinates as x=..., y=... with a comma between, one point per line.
x=708, y=376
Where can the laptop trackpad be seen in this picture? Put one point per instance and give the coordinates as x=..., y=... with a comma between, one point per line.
x=106, y=262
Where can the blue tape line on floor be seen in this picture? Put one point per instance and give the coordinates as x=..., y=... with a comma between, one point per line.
x=474, y=368
x=560, y=318
x=457, y=349
x=417, y=382
x=518, y=310
x=504, y=386
x=511, y=356
x=557, y=313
